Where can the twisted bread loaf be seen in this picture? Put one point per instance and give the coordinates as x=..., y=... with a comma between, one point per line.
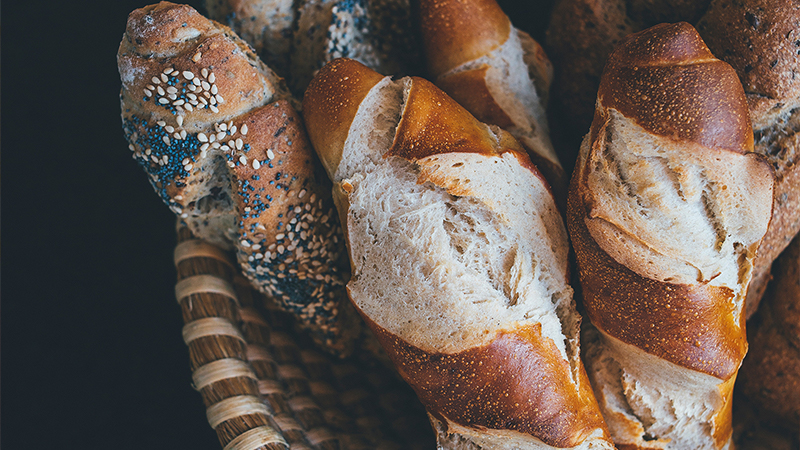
x=216, y=132
x=758, y=38
x=667, y=207
x=459, y=261
x=497, y=72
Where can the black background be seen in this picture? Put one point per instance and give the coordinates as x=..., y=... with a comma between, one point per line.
x=92, y=354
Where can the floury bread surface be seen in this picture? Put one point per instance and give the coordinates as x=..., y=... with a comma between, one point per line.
x=497, y=72
x=667, y=207
x=216, y=132
x=459, y=260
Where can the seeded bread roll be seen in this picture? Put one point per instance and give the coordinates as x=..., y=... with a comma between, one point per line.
x=267, y=25
x=667, y=207
x=459, y=260
x=497, y=72
x=216, y=133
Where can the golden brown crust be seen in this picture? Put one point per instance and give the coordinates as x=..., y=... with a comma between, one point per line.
x=667, y=80
x=469, y=89
x=445, y=46
x=694, y=326
x=330, y=105
x=499, y=386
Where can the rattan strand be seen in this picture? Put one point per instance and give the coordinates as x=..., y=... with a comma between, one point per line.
x=197, y=248
x=232, y=407
x=319, y=435
x=287, y=423
x=267, y=387
x=210, y=326
x=204, y=284
x=256, y=438
x=258, y=353
x=221, y=369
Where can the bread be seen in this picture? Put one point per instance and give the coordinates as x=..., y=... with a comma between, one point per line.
x=770, y=375
x=459, y=260
x=267, y=25
x=497, y=72
x=667, y=207
x=216, y=133
x=758, y=38
x=303, y=35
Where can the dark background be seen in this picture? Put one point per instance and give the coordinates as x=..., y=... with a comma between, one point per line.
x=92, y=354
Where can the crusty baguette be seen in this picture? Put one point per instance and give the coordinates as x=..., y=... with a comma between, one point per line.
x=215, y=131
x=459, y=260
x=497, y=72
x=667, y=207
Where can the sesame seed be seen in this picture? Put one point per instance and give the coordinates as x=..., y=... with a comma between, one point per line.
x=192, y=87
x=179, y=119
x=196, y=82
x=188, y=75
x=203, y=153
x=279, y=236
x=185, y=215
x=160, y=91
x=231, y=164
x=166, y=140
x=191, y=96
x=177, y=136
x=259, y=256
x=245, y=243
x=223, y=126
x=186, y=161
x=188, y=167
x=155, y=80
x=172, y=96
x=215, y=145
x=204, y=147
x=204, y=72
x=244, y=129
x=155, y=160
x=224, y=148
x=205, y=85
x=302, y=194
x=232, y=143
x=178, y=197
x=161, y=123
x=164, y=77
x=212, y=100
x=169, y=69
x=166, y=159
x=212, y=78
x=281, y=249
x=172, y=90
x=232, y=129
x=197, y=56
x=212, y=137
x=148, y=151
x=270, y=155
x=163, y=100
x=202, y=137
x=214, y=89
x=183, y=133
x=239, y=143
x=148, y=93
x=169, y=129
x=256, y=164
x=214, y=108
x=243, y=159
x=178, y=102
x=220, y=100
x=220, y=135
x=131, y=147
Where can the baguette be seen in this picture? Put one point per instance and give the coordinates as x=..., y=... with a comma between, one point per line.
x=667, y=207
x=222, y=145
x=497, y=72
x=459, y=261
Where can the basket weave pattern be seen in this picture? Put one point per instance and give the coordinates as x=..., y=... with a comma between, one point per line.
x=266, y=387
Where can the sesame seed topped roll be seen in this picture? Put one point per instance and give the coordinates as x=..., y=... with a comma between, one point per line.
x=219, y=138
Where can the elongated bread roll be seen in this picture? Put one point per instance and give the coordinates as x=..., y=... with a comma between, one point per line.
x=215, y=131
x=497, y=72
x=459, y=261
x=667, y=207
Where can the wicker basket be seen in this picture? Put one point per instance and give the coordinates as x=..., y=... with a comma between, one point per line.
x=265, y=386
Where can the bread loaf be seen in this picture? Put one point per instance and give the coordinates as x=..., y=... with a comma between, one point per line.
x=459, y=261
x=771, y=372
x=758, y=38
x=497, y=72
x=216, y=133
x=667, y=207
x=303, y=35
